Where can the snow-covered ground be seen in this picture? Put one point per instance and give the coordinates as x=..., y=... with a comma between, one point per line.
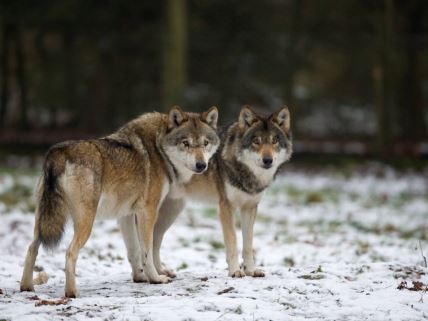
x=334, y=245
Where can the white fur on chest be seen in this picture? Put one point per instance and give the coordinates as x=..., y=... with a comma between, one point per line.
x=240, y=198
x=264, y=176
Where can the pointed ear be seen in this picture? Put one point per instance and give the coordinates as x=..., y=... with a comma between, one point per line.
x=176, y=117
x=211, y=116
x=246, y=117
x=282, y=119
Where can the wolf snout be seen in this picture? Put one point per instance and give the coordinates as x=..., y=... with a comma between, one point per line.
x=267, y=162
x=200, y=167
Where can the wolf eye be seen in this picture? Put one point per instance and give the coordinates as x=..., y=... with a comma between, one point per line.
x=185, y=143
x=256, y=140
x=275, y=140
x=206, y=142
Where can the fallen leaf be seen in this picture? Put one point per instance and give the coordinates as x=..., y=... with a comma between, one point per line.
x=52, y=302
x=417, y=286
x=402, y=285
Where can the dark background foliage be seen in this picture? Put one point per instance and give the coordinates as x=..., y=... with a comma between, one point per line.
x=354, y=73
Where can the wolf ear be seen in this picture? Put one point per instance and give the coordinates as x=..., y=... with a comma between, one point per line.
x=246, y=117
x=211, y=116
x=176, y=117
x=282, y=118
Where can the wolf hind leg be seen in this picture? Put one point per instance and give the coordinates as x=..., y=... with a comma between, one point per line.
x=168, y=213
x=128, y=227
x=30, y=260
x=82, y=230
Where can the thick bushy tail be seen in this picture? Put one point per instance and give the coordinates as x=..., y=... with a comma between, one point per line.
x=51, y=202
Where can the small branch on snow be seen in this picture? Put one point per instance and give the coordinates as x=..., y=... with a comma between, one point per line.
x=423, y=256
x=227, y=290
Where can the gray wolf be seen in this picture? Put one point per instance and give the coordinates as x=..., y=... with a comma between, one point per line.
x=125, y=175
x=251, y=152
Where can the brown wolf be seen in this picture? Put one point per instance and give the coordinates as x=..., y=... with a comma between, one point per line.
x=251, y=152
x=126, y=176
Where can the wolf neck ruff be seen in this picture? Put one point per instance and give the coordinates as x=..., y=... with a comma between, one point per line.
x=241, y=177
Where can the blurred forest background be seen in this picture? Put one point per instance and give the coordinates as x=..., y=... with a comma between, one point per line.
x=354, y=73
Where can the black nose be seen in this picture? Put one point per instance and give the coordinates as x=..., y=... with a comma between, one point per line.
x=267, y=161
x=200, y=166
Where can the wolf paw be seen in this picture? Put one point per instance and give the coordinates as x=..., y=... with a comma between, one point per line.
x=256, y=273
x=27, y=288
x=237, y=274
x=161, y=279
x=140, y=278
x=168, y=272
x=72, y=294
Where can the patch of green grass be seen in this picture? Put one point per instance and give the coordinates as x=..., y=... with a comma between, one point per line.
x=321, y=226
x=216, y=245
x=261, y=217
x=210, y=212
x=212, y=258
x=183, y=266
x=318, y=270
x=362, y=248
x=288, y=261
x=417, y=233
x=19, y=196
x=184, y=242
x=308, y=196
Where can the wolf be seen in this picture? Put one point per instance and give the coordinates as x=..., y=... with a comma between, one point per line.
x=246, y=163
x=125, y=175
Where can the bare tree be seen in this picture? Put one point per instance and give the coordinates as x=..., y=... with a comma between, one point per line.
x=4, y=69
x=174, y=69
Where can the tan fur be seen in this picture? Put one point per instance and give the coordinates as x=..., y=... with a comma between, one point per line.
x=125, y=175
x=217, y=186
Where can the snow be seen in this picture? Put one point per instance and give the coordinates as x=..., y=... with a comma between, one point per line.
x=334, y=247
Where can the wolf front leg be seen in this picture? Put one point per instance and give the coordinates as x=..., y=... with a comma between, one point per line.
x=146, y=223
x=168, y=212
x=128, y=227
x=248, y=217
x=227, y=220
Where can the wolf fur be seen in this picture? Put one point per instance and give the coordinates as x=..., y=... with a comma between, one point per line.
x=252, y=151
x=126, y=176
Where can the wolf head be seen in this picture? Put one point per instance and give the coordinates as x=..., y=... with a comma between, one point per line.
x=191, y=139
x=265, y=142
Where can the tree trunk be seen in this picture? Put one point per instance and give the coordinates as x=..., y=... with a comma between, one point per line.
x=70, y=72
x=411, y=99
x=47, y=74
x=384, y=81
x=291, y=55
x=21, y=78
x=174, y=69
x=4, y=65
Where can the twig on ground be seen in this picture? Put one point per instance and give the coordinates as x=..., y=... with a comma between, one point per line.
x=227, y=290
x=423, y=256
